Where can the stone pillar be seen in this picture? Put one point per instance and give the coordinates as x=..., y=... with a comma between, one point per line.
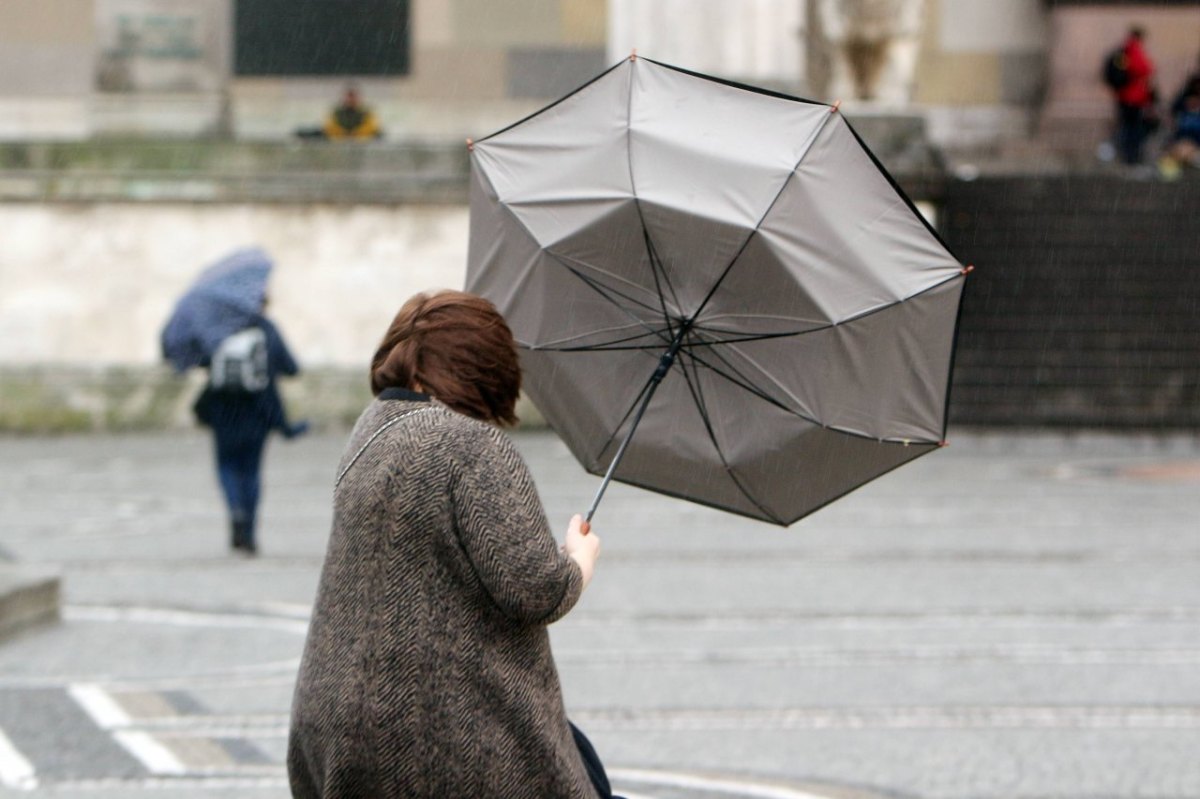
x=756, y=41
x=863, y=49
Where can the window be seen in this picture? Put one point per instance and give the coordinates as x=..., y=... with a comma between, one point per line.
x=321, y=37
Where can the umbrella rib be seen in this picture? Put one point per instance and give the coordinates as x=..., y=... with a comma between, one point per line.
x=735, y=338
x=566, y=261
x=702, y=406
x=602, y=291
x=775, y=199
x=541, y=111
x=603, y=347
x=651, y=250
x=566, y=264
x=558, y=346
x=743, y=382
x=828, y=326
x=617, y=428
x=656, y=266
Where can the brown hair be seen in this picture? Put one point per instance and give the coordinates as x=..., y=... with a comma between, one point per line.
x=457, y=347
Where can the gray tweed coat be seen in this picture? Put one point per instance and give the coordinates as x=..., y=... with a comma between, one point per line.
x=427, y=672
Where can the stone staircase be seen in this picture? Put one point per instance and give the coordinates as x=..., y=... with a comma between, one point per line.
x=1084, y=308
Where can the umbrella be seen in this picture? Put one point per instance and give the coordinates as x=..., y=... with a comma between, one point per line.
x=225, y=298
x=719, y=292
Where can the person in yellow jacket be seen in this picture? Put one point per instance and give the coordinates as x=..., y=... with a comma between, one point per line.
x=352, y=120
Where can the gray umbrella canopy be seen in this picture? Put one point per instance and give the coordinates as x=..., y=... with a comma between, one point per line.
x=727, y=270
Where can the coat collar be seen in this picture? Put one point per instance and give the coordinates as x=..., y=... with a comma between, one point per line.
x=397, y=393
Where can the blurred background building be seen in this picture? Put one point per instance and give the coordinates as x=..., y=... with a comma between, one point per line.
x=980, y=70
x=141, y=139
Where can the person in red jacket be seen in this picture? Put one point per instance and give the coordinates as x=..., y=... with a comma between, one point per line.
x=1135, y=98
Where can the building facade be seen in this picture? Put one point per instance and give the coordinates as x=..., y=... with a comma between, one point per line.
x=72, y=69
x=979, y=70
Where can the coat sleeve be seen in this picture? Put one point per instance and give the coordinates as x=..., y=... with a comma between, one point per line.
x=503, y=529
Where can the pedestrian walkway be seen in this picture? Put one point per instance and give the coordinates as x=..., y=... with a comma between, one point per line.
x=1010, y=616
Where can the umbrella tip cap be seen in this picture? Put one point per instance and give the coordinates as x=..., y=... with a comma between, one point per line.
x=968, y=269
x=833, y=109
x=470, y=144
x=633, y=54
x=943, y=444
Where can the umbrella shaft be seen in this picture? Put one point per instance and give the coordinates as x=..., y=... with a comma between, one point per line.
x=612, y=467
x=664, y=366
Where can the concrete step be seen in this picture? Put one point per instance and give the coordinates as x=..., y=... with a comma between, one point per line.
x=29, y=596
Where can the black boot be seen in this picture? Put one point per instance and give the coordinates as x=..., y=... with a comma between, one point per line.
x=248, y=545
x=238, y=533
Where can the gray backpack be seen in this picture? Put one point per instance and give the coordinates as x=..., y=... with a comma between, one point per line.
x=240, y=363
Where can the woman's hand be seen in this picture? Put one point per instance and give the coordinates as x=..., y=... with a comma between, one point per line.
x=583, y=548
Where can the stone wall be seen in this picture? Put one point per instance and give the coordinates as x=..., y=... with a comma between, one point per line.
x=92, y=283
x=1084, y=309
x=73, y=398
x=85, y=288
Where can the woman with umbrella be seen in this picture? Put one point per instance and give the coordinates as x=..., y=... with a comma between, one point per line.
x=219, y=323
x=427, y=671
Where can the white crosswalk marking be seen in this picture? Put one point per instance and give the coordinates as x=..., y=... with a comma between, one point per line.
x=100, y=705
x=108, y=715
x=15, y=770
x=156, y=757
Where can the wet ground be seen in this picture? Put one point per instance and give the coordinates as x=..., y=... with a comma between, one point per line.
x=1013, y=616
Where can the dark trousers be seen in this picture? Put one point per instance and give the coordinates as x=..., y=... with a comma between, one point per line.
x=1131, y=132
x=238, y=464
x=591, y=762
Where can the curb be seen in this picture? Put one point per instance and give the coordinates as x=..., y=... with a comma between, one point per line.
x=28, y=597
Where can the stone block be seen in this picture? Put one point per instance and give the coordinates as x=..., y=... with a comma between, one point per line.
x=532, y=22
x=29, y=596
x=1022, y=78
x=585, y=22
x=442, y=72
x=551, y=72
x=959, y=79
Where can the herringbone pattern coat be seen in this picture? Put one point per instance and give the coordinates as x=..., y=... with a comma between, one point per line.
x=427, y=672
